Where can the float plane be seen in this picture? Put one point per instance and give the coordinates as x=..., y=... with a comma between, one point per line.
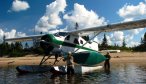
x=86, y=53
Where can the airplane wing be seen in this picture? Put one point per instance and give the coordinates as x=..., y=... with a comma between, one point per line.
x=27, y=38
x=87, y=31
x=111, y=27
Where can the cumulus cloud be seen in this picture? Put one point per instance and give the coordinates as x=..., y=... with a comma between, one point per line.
x=132, y=12
x=135, y=31
x=1, y=35
x=132, y=44
x=11, y=34
x=83, y=17
x=20, y=34
x=117, y=36
x=142, y=36
x=51, y=18
x=19, y=5
x=109, y=40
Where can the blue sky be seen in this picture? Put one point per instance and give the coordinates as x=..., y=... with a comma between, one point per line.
x=20, y=17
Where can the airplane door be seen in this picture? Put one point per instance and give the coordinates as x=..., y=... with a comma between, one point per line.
x=68, y=44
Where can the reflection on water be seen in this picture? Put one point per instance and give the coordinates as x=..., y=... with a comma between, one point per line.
x=127, y=73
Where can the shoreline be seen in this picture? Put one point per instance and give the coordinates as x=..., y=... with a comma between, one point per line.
x=128, y=57
x=122, y=57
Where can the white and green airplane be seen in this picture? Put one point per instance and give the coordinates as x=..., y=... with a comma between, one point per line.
x=84, y=52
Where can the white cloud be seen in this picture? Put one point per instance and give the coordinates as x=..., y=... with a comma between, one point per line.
x=83, y=17
x=131, y=11
x=1, y=32
x=135, y=31
x=117, y=36
x=109, y=41
x=142, y=36
x=51, y=18
x=13, y=33
x=98, y=39
x=132, y=44
x=131, y=33
x=19, y=5
x=20, y=34
x=129, y=37
x=10, y=34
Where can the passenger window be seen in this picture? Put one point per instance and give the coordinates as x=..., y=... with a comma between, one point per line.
x=76, y=41
x=67, y=38
x=81, y=41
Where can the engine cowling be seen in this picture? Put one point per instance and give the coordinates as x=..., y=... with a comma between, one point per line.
x=45, y=43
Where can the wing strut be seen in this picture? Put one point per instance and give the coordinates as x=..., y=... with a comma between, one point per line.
x=88, y=41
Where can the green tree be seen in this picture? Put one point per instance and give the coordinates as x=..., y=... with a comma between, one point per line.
x=144, y=39
x=16, y=50
x=1, y=50
x=142, y=46
x=26, y=45
x=104, y=43
x=124, y=43
x=18, y=46
x=141, y=41
x=4, y=49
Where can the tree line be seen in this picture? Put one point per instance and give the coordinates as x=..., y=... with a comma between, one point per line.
x=17, y=49
x=142, y=46
x=105, y=46
x=139, y=48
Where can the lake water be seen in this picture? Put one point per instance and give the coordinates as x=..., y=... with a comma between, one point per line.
x=120, y=73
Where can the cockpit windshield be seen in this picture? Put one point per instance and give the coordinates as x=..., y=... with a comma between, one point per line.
x=61, y=34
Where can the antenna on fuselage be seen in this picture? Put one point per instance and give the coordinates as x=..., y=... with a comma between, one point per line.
x=76, y=26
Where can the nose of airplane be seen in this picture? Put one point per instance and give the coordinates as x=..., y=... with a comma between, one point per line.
x=45, y=43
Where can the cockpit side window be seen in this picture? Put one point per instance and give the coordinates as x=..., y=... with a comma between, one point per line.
x=76, y=41
x=81, y=41
x=67, y=38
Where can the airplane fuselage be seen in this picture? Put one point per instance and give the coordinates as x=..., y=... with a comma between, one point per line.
x=85, y=53
x=74, y=44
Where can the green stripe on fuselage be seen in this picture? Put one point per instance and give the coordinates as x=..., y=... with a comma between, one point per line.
x=58, y=42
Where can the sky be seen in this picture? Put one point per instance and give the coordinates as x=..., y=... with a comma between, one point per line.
x=22, y=17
